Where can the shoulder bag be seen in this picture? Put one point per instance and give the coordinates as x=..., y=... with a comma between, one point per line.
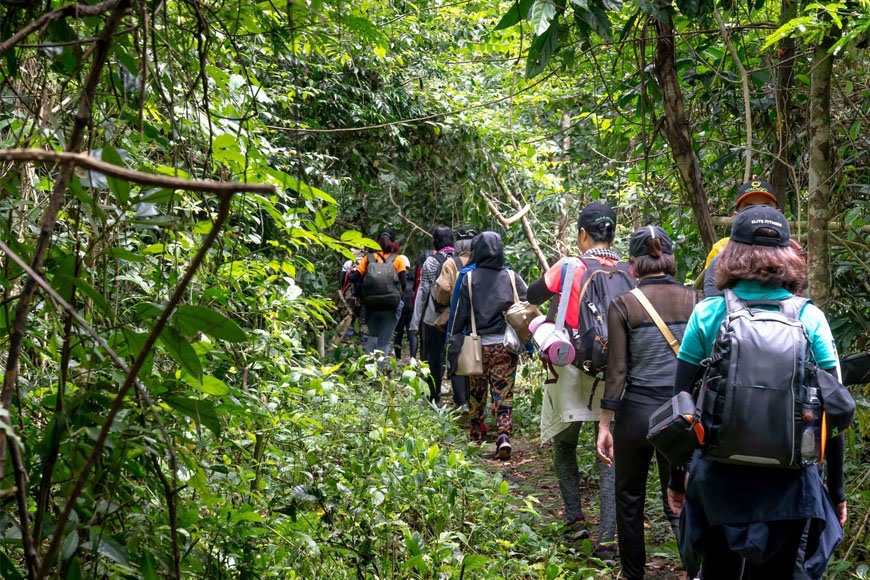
x=674, y=428
x=520, y=313
x=470, y=362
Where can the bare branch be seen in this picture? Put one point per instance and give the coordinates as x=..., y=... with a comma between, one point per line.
x=140, y=177
x=744, y=79
x=521, y=215
x=402, y=214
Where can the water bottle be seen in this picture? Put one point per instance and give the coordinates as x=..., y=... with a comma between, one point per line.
x=811, y=413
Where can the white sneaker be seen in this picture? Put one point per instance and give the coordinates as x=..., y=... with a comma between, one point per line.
x=412, y=362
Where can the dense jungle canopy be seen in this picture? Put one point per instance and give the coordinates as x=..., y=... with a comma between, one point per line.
x=181, y=181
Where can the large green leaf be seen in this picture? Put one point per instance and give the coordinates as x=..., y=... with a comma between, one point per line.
x=542, y=50
x=209, y=385
x=518, y=11
x=7, y=568
x=181, y=350
x=120, y=187
x=595, y=19
x=541, y=15
x=193, y=319
x=201, y=411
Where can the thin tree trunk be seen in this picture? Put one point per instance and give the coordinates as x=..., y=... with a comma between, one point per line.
x=562, y=231
x=780, y=173
x=821, y=173
x=677, y=130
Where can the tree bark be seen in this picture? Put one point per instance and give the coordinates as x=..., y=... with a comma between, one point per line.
x=677, y=129
x=780, y=173
x=821, y=173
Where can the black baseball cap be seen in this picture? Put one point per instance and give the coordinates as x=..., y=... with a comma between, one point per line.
x=754, y=187
x=748, y=221
x=637, y=243
x=389, y=233
x=595, y=215
x=465, y=232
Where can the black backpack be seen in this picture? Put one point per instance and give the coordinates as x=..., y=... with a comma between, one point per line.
x=381, y=284
x=600, y=285
x=754, y=384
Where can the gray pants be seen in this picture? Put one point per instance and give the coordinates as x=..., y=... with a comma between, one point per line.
x=381, y=325
x=565, y=459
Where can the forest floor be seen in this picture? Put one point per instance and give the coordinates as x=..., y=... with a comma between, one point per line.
x=530, y=472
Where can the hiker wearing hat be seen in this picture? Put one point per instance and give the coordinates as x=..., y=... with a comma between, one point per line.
x=745, y=510
x=572, y=399
x=383, y=277
x=644, y=330
x=753, y=192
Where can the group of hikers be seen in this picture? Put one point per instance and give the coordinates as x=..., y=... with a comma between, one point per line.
x=623, y=342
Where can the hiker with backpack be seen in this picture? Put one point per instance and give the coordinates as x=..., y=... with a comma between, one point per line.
x=573, y=397
x=442, y=292
x=644, y=330
x=484, y=295
x=753, y=192
x=427, y=311
x=755, y=499
x=383, y=276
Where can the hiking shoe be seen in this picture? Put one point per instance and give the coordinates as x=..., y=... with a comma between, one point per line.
x=577, y=530
x=607, y=554
x=503, y=447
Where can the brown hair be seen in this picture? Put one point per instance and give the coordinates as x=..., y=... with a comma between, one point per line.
x=765, y=264
x=387, y=245
x=655, y=261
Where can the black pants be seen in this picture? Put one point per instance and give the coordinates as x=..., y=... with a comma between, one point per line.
x=721, y=563
x=433, y=353
x=633, y=457
x=460, y=390
x=402, y=328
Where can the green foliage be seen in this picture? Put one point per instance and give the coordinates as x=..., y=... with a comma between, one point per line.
x=236, y=445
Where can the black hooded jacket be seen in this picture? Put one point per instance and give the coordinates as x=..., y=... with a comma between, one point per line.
x=491, y=287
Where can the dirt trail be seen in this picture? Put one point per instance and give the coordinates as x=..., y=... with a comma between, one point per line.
x=530, y=472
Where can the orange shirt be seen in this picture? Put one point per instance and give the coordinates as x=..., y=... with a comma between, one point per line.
x=398, y=263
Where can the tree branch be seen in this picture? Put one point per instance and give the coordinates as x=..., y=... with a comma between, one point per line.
x=402, y=214
x=62, y=12
x=140, y=177
x=49, y=219
x=744, y=80
x=521, y=215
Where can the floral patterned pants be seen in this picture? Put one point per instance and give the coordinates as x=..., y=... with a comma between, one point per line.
x=499, y=373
